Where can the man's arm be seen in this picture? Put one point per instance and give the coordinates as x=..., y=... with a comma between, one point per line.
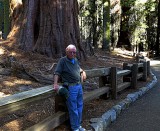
x=55, y=85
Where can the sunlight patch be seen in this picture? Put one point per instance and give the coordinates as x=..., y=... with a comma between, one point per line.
x=24, y=82
x=1, y=51
x=13, y=126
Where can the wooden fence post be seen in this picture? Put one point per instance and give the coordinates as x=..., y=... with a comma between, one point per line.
x=148, y=68
x=114, y=82
x=144, y=77
x=134, y=70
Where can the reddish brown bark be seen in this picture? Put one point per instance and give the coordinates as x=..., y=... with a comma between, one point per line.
x=49, y=26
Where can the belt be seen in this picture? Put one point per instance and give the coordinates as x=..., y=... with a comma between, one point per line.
x=74, y=84
x=71, y=84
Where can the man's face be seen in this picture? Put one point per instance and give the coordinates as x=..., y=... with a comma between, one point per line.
x=71, y=53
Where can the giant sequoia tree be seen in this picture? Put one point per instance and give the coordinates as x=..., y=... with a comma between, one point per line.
x=46, y=26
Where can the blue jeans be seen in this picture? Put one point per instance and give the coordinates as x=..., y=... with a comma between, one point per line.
x=75, y=105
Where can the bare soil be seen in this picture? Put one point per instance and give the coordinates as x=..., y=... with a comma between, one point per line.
x=20, y=76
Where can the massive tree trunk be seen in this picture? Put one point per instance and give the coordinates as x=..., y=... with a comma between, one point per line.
x=48, y=26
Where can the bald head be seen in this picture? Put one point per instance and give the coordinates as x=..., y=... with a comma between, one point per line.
x=71, y=51
x=71, y=47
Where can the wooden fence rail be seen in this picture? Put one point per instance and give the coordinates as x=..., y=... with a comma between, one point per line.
x=108, y=78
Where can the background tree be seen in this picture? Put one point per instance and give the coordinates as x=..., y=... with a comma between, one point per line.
x=151, y=21
x=106, y=24
x=95, y=24
x=1, y=15
x=6, y=18
x=124, y=37
x=158, y=30
x=135, y=25
x=115, y=11
x=91, y=20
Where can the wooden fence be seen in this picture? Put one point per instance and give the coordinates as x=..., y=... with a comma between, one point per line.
x=108, y=87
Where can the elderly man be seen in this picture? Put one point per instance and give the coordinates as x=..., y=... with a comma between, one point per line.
x=68, y=69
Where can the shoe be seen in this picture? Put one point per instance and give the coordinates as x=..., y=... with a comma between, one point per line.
x=81, y=128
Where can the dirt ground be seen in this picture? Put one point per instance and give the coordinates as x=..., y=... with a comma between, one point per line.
x=14, y=80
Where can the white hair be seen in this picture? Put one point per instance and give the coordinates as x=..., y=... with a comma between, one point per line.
x=71, y=47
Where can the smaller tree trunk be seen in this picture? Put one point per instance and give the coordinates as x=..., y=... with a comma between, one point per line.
x=106, y=25
x=158, y=31
x=6, y=18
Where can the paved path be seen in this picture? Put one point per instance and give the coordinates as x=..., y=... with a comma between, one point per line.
x=144, y=114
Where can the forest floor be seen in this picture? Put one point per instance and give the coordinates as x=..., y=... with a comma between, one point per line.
x=21, y=71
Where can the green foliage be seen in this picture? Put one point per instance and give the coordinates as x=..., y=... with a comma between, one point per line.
x=127, y=3
x=134, y=19
x=90, y=18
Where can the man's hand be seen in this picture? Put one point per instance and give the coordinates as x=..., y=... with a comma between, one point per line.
x=83, y=76
x=55, y=87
